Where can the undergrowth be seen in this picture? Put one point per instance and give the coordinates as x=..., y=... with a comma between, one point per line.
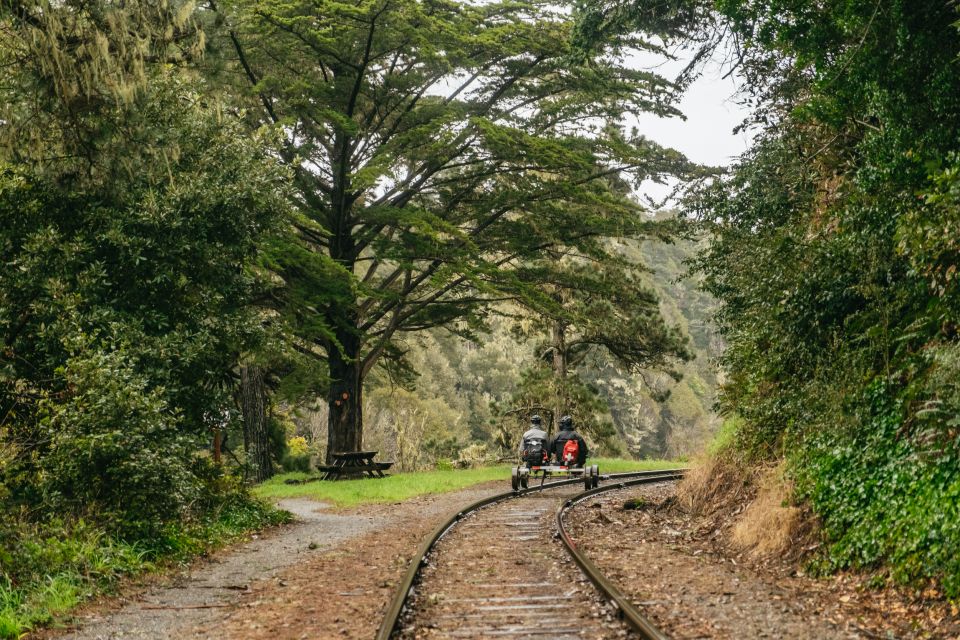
x=885, y=500
x=47, y=569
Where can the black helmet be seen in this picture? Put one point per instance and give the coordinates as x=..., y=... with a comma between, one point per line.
x=535, y=419
x=566, y=422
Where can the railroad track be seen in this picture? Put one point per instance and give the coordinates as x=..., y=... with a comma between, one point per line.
x=494, y=570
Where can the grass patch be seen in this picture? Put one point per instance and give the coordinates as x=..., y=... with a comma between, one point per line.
x=403, y=486
x=725, y=437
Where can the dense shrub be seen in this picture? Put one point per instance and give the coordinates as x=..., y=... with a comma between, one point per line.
x=835, y=259
x=292, y=462
x=115, y=448
x=124, y=305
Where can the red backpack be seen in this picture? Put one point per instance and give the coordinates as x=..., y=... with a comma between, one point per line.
x=571, y=452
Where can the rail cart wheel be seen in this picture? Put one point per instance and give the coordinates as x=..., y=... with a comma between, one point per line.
x=587, y=478
x=595, y=472
x=515, y=478
x=524, y=479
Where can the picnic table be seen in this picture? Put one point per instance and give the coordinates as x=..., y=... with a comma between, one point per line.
x=354, y=463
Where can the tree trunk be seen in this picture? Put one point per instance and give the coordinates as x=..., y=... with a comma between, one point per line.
x=559, y=371
x=345, y=421
x=256, y=422
x=345, y=399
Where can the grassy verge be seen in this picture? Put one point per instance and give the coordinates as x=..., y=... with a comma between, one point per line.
x=402, y=486
x=48, y=569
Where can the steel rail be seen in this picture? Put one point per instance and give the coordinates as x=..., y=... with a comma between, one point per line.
x=626, y=610
x=392, y=617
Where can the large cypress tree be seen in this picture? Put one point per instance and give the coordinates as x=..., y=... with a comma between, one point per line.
x=438, y=147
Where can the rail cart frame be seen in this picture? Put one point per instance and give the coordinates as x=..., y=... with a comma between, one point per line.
x=520, y=475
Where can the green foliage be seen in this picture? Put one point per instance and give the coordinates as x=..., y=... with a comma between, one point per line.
x=630, y=22
x=834, y=262
x=884, y=499
x=63, y=64
x=725, y=438
x=296, y=451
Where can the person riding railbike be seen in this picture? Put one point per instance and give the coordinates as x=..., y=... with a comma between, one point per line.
x=568, y=447
x=533, y=444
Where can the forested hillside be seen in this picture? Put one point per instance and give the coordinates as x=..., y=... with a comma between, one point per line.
x=464, y=391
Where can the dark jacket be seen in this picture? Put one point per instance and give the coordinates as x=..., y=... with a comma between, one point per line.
x=556, y=445
x=532, y=435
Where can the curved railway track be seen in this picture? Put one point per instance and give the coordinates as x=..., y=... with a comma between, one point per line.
x=493, y=570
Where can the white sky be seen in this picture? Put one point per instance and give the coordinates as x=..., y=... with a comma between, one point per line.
x=712, y=110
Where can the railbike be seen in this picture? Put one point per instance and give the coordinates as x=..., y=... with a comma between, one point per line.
x=535, y=463
x=520, y=475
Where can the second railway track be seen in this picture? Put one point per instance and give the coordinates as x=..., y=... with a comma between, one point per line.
x=501, y=568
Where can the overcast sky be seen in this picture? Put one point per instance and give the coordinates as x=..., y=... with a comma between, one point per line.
x=712, y=112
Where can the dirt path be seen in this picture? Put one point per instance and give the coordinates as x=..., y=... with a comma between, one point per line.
x=283, y=576
x=692, y=588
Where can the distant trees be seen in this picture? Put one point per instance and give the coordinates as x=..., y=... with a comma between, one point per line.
x=437, y=148
x=604, y=311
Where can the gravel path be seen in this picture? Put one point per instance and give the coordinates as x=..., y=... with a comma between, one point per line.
x=343, y=592
x=198, y=596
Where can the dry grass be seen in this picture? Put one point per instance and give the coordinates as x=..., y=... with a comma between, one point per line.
x=752, y=506
x=714, y=484
x=770, y=524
